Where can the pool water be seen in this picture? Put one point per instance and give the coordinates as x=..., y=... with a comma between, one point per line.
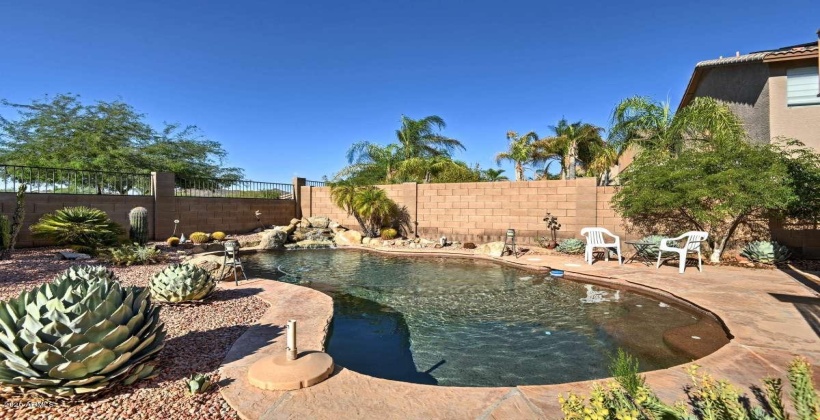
x=460, y=322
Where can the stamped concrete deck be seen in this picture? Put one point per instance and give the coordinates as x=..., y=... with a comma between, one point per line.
x=771, y=315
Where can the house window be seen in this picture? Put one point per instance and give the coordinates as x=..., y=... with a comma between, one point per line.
x=802, y=86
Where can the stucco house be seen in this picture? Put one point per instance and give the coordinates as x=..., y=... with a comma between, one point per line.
x=774, y=92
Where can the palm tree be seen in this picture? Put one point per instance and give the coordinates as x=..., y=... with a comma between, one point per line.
x=521, y=152
x=576, y=142
x=605, y=156
x=418, y=138
x=653, y=126
x=494, y=175
x=371, y=162
x=374, y=207
x=343, y=194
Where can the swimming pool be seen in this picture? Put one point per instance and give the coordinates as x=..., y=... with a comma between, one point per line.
x=462, y=322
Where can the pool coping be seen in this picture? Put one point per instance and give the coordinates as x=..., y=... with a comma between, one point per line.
x=766, y=330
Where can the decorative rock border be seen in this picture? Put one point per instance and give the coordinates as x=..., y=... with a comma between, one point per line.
x=762, y=309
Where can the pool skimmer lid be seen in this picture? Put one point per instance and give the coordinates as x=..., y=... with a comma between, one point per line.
x=290, y=370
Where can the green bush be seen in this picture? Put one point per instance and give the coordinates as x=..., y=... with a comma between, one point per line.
x=83, y=334
x=134, y=254
x=80, y=226
x=571, y=246
x=709, y=398
x=766, y=252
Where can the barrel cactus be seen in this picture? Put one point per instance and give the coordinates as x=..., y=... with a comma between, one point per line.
x=218, y=236
x=86, y=273
x=199, y=237
x=182, y=283
x=138, y=216
x=172, y=241
x=766, y=252
x=571, y=246
x=75, y=336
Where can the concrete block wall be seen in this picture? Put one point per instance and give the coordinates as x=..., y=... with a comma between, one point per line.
x=231, y=215
x=116, y=206
x=483, y=211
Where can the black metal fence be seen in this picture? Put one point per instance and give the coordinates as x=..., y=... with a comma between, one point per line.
x=315, y=183
x=232, y=188
x=73, y=181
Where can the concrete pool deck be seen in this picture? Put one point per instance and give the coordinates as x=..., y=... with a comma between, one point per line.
x=771, y=315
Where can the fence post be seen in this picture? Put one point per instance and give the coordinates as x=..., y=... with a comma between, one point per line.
x=162, y=185
x=298, y=183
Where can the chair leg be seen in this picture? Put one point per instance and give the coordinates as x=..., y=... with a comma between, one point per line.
x=700, y=264
x=588, y=254
x=620, y=260
x=606, y=254
x=682, y=262
x=222, y=271
x=659, y=260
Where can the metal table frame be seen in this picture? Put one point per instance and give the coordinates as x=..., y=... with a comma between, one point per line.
x=640, y=248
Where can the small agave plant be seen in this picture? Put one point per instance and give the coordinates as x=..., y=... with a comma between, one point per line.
x=86, y=273
x=182, y=283
x=571, y=246
x=78, y=335
x=766, y=252
x=198, y=383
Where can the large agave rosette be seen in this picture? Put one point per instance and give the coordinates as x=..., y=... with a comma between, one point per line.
x=182, y=283
x=77, y=336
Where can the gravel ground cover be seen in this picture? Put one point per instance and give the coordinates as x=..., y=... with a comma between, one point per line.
x=199, y=336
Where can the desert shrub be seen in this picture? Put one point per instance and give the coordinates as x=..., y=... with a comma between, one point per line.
x=81, y=226
x=218, y=236
x=709, y=398
x=571, y=246
x=134, y=254
x=199, y=237
x=172, y=241
x=389, y=233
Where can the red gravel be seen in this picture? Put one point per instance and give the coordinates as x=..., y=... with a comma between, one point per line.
x=199, y=336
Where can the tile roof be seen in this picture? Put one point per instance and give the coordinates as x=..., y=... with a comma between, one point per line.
x=746, y=58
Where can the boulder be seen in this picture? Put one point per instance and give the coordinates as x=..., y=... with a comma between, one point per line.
x=320, y=222
x=493, y=249
x=305, y=223
x=213, y=265
x=350, y=237
x=273, y=239
x=294, y=221
x=310, y=244
x=374, y=241
x=334, y=225
x=469, y=245
x=366, y=241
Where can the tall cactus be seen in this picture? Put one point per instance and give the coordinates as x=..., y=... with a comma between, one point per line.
x=138, y=216
x=5, y=233
x=16, y=222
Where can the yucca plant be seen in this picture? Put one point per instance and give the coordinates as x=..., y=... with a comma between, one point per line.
x=766, y=252
x=199, y=237
x=182, y=283
x=81, y=226
x=571, y=246
x=78, y=336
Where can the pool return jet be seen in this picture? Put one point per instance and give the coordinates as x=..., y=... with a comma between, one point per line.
x=290, y=370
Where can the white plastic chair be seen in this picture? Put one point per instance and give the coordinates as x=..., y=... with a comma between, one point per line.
x=595, y=239
x=692, y=246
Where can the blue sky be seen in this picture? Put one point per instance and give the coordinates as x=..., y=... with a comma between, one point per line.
x=287, y=87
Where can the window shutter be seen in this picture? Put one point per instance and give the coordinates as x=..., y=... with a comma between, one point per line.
x=802, y=86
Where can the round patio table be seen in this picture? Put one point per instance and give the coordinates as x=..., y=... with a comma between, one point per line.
x=641, y=252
